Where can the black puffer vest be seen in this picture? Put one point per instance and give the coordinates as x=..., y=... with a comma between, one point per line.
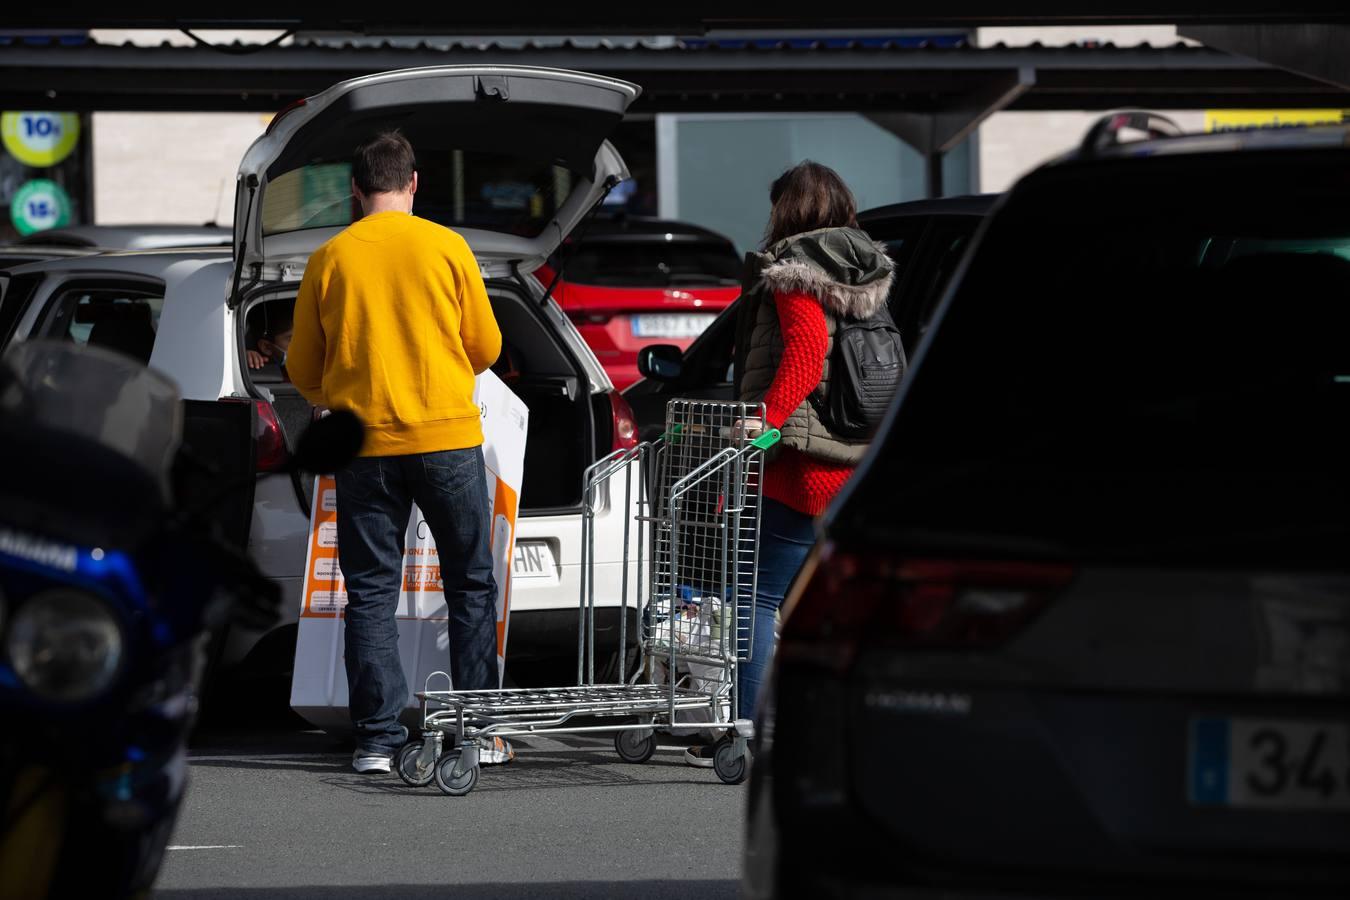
x=849, y=275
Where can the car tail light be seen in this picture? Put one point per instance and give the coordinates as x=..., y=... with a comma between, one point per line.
x=268, y=440
x=844, y=597
x=624, y=427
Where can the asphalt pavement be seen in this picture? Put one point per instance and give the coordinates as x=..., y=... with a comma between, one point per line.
x=274, y=809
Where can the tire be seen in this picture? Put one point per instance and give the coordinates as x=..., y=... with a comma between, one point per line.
x=635, y=746
x=445, y=780
x=405, y=762
x=729, y=766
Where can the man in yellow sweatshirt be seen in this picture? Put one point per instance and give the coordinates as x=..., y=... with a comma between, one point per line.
x=393, y=323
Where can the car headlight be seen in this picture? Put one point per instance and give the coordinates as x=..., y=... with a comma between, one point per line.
x=64, y=645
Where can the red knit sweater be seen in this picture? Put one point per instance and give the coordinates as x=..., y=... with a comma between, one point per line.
x=793, y=478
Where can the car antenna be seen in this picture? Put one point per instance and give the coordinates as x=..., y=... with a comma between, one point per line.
x=610, y=183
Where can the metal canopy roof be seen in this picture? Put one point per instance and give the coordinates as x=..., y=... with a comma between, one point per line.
x=684, y=76
x=687, y=17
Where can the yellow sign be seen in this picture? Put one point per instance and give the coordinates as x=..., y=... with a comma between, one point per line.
x=40, y=139
x=1252, y=119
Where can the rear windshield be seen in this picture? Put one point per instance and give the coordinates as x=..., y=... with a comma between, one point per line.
x=1152, y=364
x=457, y=188
x=655, y=263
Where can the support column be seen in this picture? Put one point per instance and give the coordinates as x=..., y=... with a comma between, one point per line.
x=934, y=133
x=933, y=165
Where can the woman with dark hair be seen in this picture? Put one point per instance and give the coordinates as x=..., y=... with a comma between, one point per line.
x=817, y=268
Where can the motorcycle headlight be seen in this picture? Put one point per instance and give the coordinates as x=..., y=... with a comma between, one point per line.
x=64, y=645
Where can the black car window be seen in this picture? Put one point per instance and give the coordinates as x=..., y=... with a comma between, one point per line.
x=948, y=242
x=114, y=318
x=900, y=236
x=17, y=294
x=653, y=263
x=1102, y=384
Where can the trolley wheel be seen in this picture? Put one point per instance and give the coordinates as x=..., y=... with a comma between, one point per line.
x=729, y=766
x=445, y=777
x=635, y=746
x=405, y=762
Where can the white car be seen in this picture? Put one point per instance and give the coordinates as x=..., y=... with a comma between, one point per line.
x=510, y=157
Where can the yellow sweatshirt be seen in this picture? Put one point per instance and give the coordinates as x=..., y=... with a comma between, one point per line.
x=393, y=322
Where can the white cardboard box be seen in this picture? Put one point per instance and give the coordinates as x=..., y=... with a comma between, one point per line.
x=319, y=685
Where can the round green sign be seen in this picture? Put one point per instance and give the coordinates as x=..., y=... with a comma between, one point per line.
x=38, y=205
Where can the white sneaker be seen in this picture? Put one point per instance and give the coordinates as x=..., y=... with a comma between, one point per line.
x=371, y=762
x=497, y=753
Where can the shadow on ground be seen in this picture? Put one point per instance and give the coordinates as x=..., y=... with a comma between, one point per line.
x=579, y=762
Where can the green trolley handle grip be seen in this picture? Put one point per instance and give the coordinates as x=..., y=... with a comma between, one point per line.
x=767, y=439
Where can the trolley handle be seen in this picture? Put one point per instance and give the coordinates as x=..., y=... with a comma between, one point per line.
x=767, y=439
x=720, y=459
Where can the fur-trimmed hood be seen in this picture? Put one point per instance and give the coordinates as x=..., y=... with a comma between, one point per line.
x=848, y=272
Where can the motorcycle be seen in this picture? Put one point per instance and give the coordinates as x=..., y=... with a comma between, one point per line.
x=110, y=591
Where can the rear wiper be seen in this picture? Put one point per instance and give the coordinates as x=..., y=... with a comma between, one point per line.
x=610, y=183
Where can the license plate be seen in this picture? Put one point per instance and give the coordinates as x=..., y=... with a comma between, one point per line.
x=670, y=325
x=1270, y=763
x=534, y=560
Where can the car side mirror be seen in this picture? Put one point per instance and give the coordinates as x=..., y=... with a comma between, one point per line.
x=660, y=362
x=330, y=443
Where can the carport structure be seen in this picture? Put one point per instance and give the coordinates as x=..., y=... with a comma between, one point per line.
x=932, y=93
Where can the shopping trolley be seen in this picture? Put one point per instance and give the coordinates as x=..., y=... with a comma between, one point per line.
x=690, y=542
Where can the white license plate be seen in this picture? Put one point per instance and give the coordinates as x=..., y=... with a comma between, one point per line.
x=534, y=560
x=1295, y=764
x=671, y=325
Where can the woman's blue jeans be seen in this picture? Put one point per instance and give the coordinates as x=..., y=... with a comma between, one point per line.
x=785, y=538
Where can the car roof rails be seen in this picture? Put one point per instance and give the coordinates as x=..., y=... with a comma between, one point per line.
x=1105, y=132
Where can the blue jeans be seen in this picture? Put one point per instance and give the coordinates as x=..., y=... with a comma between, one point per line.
x=785, y=538
x=375, y=498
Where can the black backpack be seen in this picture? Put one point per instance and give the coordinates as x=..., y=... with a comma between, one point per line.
x=866, y=365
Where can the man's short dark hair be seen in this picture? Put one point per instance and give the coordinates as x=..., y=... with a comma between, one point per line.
x=383, y=163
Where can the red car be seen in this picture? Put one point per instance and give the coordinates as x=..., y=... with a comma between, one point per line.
x=632, y=281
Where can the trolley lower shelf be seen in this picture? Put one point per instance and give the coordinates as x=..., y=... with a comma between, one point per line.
x=458, y=725
x=523, y=706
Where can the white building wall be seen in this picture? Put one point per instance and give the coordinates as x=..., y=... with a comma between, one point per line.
x=169, y=167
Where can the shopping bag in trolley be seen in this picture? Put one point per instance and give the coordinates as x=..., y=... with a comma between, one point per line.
x=697, y=628
x=319, y=683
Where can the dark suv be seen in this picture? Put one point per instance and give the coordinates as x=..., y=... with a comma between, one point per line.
x=1081, y=622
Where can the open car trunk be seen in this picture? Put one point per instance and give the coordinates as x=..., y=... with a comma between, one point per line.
x=533, y=363
x=512, y=157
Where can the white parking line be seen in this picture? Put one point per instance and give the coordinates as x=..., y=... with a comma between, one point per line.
x=206, y=847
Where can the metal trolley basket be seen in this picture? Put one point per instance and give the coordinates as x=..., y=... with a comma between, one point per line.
x=691, y=537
